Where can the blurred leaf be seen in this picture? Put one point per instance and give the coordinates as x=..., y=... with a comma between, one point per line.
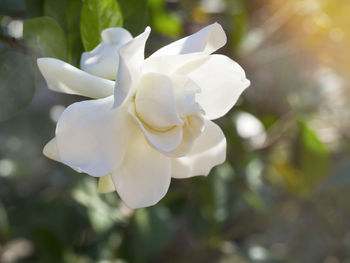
x=311, y=161
x=204, y=217
x=291, y=175
x=150, y=231
x=17, y=83
x=101, y=214
x=46, y=36
x=254, y=200
x=3, y=222
x=48, y=244
x=97, y=15
x=312, y=156
x=34, y=8
x=163, y=22
x=67, y=14
x=238, y=21
x=135, y=14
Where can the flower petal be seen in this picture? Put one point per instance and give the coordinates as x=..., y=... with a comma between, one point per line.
x=105, y=184
x=221, y=80
x=169, y=64
x=155, y=102
x=206, y=40
x=92, y=136
x=132, y=55
x=115, y=36
x=144, y=176
x=50, y=150
x=185, y=91
x=208, y=150
x=164, y=141
x=103, y=60
x=193, y=128
x=63, y=77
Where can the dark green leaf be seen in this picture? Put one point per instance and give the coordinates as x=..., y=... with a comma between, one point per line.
x=97, y=15
x=135, y=14
x=67, y=15
x=45, y=36
x=34, y=8
x=17, y=84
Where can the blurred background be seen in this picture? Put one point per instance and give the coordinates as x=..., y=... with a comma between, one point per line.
x=283, y=194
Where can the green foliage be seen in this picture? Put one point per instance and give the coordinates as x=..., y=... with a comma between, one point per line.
x=17, y=83
x=135, y=15
x=34, y=8
x=97, y=15
x=67, y=15
x=312, y=151
x=4, y=225
x=45, y=36
x=238, y=21
x=310, y=163
x=149, y=232
x=162, y=21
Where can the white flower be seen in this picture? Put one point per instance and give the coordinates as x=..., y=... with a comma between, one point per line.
x=156, y=124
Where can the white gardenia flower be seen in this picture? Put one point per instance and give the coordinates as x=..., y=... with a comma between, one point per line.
x=154, y=122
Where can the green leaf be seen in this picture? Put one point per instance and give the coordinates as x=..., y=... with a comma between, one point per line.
x=97, y=15
x=135, y=14
x=17, y=83
x=163, y=22
x=237, y=24
x=44, y=35
x=34, y=8
x=67, y=15
x=4, y=225
x=310, y=164
x=312, y=155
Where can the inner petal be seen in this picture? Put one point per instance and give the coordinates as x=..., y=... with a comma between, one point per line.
x=155, y=102
x=185, y=95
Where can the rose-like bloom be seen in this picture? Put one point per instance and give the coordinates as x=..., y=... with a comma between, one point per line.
x=156, y=124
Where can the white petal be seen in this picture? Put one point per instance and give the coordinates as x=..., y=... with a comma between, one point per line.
x=63, y=77
x=193, y=128
x=185, y=95
x=185, y=145
x=208, y=150
x=50, y=150
x=206, y=40
x=131, y=58
x=169, y=64
x=103, y=60
x=92, y=136
x=144, y=175
x=221, y=81
x=105, y=184
x=165, y=141
x=115, y=36
x=155, y=102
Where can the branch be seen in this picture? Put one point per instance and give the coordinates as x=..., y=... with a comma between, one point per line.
x=17, y=45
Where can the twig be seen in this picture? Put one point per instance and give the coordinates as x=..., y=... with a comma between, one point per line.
x=17, y=45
